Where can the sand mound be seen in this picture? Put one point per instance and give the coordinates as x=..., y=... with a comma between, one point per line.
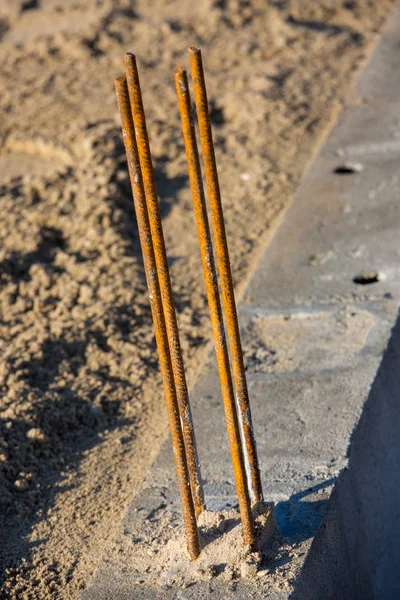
x=164, y=560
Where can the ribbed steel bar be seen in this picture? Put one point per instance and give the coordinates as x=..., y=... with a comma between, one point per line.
x=224, y=267
x=214, y=304
x=158, y=316
x=139, y=121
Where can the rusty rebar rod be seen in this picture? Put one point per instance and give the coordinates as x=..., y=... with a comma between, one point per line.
x=214, y=303
x=224, y=267
x=142, y=139
x=157, y=310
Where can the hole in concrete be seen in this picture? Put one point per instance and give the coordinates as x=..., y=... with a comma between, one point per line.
x=348, y=169
x=367, y=278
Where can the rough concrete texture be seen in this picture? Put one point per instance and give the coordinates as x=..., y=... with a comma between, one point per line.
x=356, y=554
x=314, y=343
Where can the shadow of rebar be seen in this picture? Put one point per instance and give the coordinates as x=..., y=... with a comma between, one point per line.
x=299, y=518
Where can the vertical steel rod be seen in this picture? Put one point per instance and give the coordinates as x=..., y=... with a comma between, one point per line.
x=142, y=139
x=224, y=267
x=214, y=303
x=158, y=316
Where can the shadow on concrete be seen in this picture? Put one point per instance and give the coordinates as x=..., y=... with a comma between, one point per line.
x=299, y=519
x=356, y=553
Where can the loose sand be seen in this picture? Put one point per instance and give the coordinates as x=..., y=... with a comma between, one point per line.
x=80, y=398
x=160, y=556
x=149, y=555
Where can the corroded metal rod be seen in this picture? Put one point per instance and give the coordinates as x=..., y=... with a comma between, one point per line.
x=158, y=316
x=224, y=267
x=142, y=139
x=214, y=304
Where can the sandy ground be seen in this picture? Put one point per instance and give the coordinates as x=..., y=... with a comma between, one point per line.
x=81, y=408
x=159, y=557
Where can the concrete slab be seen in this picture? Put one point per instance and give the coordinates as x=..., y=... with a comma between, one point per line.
x=314, y=340
x=356, y=554
x=343, y=225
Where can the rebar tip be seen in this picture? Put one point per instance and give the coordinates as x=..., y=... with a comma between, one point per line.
x=120, y=85
x=194, y=50
x=181, y=80
x=120, y=80
x=130, y=61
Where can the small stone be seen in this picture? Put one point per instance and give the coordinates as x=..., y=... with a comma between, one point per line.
x=368, y=277
x=37, y=435
x=348, y=168
x=21, y=485
x=262, y=573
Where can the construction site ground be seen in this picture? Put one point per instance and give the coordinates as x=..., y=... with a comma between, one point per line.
x=82, y=415
x=321, y=338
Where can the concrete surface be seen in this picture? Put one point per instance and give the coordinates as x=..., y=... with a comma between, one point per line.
x=357, y=552
x=314, y=343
